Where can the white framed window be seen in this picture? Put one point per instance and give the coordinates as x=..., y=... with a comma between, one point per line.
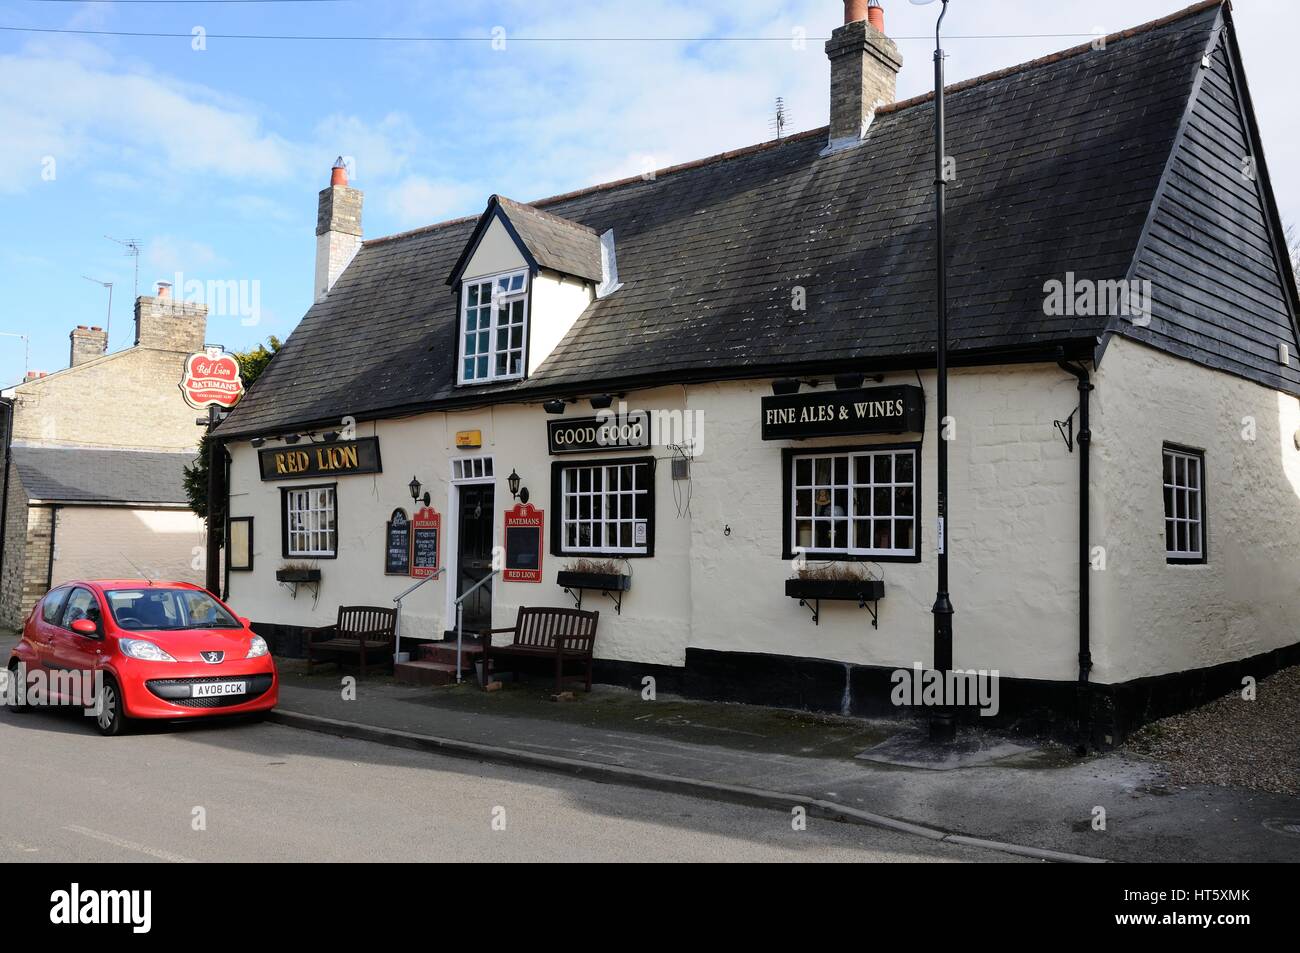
x=472, y=470
x=493, y=327
x=310, y=521
x=1184, y=492
x=853, y=503
x=605, y=507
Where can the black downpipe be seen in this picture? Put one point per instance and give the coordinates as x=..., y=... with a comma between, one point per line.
x=1084, y=690
x=7, y=407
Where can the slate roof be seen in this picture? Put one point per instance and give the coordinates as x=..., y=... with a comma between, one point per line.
x=1058, y=163
x=554, y=242
x=78, y=475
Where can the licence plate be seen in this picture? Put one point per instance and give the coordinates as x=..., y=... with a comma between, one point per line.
x=216, y=689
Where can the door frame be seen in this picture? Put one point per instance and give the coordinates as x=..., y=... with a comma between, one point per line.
x=451, y=530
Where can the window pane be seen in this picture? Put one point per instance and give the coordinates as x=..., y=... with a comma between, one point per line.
x=803, y=472
x=1169, y=468
x=803, y=503
x=1169, y=536
x=861, y=469
x=883, y=505
x=903, y=501
x=841, y=470
x=884, y=468
x=823, y=467
x=903, y=534
x=904, y=465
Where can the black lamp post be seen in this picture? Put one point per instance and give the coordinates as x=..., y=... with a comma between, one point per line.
x=943, y=724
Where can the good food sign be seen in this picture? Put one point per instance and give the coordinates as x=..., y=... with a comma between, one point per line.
x=211, y=379
x=630, y=431
x=837, y=413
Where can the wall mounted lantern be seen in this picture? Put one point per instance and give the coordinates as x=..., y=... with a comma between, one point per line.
x=516, y=491
x=554, y=406
x=786, y=385
x=414, y=487
x=601, y=401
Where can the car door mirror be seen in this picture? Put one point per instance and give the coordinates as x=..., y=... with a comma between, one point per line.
x=85, y=627
x=246, y=622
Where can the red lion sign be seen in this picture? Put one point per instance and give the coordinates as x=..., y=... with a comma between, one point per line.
x=211, y=378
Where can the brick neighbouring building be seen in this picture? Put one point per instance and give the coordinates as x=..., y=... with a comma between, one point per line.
x=94, y=453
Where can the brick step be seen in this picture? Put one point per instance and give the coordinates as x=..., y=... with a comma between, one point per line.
x=446, y=652
x=425, y=673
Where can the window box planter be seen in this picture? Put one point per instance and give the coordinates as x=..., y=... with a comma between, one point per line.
x=611, y=583
x=297, y=575
x=608, y=581
x=810, y=592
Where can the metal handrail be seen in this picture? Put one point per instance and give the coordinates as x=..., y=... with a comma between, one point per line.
x=460, y=620
x=397, y=625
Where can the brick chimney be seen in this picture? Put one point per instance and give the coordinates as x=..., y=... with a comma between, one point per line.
x=88, y=343
x=864, y=68
x=167, y=324
x=338, y=229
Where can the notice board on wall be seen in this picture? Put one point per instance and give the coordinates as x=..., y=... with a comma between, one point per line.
x=397, y=544
x=426, y=538
x=523, y=536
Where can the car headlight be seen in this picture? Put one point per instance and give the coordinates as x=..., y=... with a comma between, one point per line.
x=145, y=651
x=257, y=647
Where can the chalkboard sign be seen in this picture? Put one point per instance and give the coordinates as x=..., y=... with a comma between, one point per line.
x=426, y=530
x=523, y=544
x=397, y=545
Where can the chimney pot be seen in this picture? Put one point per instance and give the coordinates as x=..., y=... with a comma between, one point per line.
x=164, y=289
x=339, y=174
x=855, y=10
x=876, y=15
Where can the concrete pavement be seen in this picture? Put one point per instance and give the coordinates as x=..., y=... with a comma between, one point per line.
x=1044, y=799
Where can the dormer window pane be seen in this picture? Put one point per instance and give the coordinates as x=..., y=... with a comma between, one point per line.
x=498, y=304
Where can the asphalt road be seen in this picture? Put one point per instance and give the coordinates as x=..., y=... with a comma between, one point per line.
x=270, y=793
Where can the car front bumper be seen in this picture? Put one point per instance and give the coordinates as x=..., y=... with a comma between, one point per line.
x=166, y=689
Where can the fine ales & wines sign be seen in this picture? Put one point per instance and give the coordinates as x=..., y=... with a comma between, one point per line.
x=838, y=413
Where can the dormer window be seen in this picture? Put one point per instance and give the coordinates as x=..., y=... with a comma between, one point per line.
x=494, y=319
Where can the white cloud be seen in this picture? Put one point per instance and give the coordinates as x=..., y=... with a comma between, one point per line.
x=418, y=200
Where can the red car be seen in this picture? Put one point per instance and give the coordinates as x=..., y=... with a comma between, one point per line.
x=165, y=650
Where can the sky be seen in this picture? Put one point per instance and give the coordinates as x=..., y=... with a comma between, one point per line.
x=209, y=151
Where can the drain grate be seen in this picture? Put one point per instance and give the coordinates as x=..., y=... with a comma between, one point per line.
x=1284, y=825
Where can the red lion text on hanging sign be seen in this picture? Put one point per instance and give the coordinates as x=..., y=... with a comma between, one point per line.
x=211, y=378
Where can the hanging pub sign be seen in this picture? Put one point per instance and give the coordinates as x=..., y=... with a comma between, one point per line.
x=341, y=458
x=426, y=534
x=211, y=379
x=838, y=413
x=397, y=544
x=630, y=431
x=523, y=544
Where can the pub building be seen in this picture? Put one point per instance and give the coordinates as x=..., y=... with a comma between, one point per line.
x=718, y=382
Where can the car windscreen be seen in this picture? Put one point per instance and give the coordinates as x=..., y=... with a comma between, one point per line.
x=168, y=609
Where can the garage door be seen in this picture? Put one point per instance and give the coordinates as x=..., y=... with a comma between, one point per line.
x=103, y=542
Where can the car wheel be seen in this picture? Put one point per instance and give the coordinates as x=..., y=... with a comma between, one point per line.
x=111, y=717
x=13, y=676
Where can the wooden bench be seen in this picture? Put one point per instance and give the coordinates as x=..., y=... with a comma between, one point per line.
x=361, y=631
x=547, y=633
